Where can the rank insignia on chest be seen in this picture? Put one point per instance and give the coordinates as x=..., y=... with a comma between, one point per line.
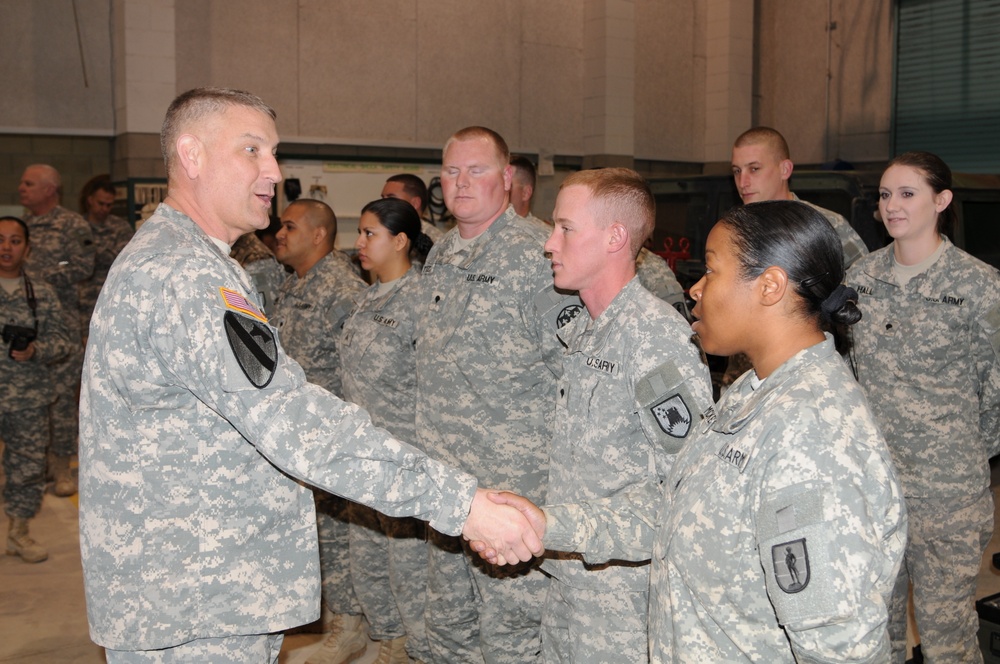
x=791, y=565
x=235, y=301
x=673, y=416
x=253, y=346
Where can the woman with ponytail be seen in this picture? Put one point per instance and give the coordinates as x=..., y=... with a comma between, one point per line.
x=926, y=355
x=388, y=555
x=781, y=525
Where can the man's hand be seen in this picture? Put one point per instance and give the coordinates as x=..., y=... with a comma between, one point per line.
x=531, y=513
x=508, y=535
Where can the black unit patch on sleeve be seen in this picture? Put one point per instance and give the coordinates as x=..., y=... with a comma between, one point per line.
x=254, y=347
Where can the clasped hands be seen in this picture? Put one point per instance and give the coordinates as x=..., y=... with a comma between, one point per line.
x=504, y=528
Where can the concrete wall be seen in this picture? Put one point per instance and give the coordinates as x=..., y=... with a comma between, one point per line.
x=399, y=75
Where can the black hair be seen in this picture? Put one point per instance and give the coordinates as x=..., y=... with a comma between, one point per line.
x=97, y=183
x=798, y=239
x=938, y=176
x=413, y=185
x=21, y=223
x=400, y=217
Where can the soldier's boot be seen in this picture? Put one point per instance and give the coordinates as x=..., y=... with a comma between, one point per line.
x=63, y=474
x=345, y=641
x=19, y=543
x=392, y=652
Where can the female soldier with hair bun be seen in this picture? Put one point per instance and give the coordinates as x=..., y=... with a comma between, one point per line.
x=388, y=555
x=782, y=526
x=926, y=354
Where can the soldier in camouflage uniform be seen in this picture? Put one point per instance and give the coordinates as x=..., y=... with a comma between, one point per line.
x=632, y=388
x=198, y=542
x=761, y=168
x=388, y=556
x=487, y=362
x=311, y=308
x=410, y=188
x=111, y=234
x=62, y=253
x=926, y=354
x=782, y=524
x=267, y=273
x=25, y=384
x=656, y=276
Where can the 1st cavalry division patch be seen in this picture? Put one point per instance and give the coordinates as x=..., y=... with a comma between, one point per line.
x=254, y=347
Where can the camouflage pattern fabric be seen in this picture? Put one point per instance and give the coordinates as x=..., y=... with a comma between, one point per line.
x=487, y=361
x=794, y=465
x=310, y=314
x=854, y=247
x=267, y=273
x=657, y=277
x=632, y=389
x=388, y=556
x=263, y=648
x=62, y=253
x=928, y=357
x=110, y=237
x=193, y=523
x=26, y=392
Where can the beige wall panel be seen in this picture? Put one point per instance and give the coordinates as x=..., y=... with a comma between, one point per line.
x=551, y=99
x=42, y=76
x=250, y=44
x=358, y=70
x=468, y=56
x=792, y=83
x=862, y=84
x=794, y=99
x=669, y=111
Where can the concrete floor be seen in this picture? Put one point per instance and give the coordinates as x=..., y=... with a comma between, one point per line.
x=43, y=616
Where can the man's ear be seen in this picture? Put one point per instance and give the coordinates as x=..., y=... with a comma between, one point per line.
x=772, y=285
x=618, y=237
x=785, y=167
x=190, y=155
x=508, y=177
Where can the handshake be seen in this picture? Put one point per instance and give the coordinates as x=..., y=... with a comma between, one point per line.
x=504, y=528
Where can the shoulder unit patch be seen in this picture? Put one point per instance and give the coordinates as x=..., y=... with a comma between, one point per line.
x=673, y=416
x=254, y=347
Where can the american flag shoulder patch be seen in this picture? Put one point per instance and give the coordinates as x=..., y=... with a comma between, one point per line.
x=237, y=302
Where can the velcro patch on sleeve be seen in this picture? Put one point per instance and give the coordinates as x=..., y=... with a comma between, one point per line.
x=664, y=401
x=237, y=302
x=254, y=347
x=991, y=325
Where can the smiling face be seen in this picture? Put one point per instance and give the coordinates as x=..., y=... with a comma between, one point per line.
x=908, y=204
x=578, y=242
x=296, y=241
x=13, y=249
x=475, y=182
x=722, y=298
x=238, y=171
x=760, y=173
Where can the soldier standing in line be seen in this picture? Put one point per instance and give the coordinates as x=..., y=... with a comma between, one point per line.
x=35, y=332
x=197, y=540
x=927, y=354
x=487, y=362
x=388, y=556
x=312, y=305
x=111, y=234
x=632, y=391
x=63, y=255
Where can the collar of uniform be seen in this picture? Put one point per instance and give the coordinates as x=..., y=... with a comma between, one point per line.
x=741, y=403
x=576, y=335
x=46, y=219
x=371, y=299
x=465, y=258
x=881, y=268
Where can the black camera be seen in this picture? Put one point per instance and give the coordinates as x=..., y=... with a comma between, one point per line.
x=18, y=337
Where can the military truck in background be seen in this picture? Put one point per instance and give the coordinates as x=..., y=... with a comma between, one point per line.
x=687, y=208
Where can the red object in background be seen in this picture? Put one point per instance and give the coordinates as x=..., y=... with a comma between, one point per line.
x=668, y=254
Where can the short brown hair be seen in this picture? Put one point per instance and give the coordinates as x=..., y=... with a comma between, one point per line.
x=765, y=135
x=199, y=103
x=619, y=194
